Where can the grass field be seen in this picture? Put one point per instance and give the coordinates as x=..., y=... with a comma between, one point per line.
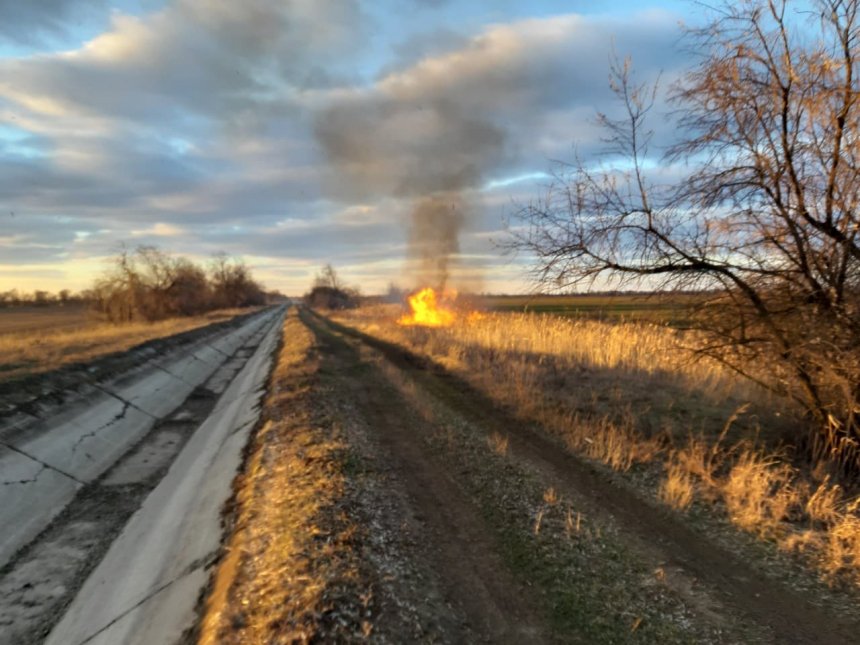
x=37, y=340
x=659, y=308
x=34, y=319
x=626, y=394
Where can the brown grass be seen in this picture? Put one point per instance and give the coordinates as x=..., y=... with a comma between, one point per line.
x=35, y=352
x=498, y=444
x=626, y=394
x=54, y=318
x=289, y=557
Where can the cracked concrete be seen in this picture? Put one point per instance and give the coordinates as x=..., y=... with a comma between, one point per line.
x=44, y=577
x=145, y=589
x=88, y=435
x=48, y=459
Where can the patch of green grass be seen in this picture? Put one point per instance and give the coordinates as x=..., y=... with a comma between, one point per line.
x=671, y=309
x=591, y=585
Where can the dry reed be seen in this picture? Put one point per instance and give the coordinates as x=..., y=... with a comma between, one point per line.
x=554, y=371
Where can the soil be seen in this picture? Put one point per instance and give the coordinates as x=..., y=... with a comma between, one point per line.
x=496, y=606
x=713, y=580
x=28, y=318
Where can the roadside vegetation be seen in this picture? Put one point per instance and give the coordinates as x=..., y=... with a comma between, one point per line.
x=144, y=295
x=148, y=285
x=636, y=397
x=291, y=572
x=758, y=207
x=330, y=292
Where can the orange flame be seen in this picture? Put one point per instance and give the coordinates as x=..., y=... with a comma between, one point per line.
x=428, y=311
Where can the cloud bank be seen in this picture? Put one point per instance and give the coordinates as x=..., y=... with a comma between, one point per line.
x=263, y=127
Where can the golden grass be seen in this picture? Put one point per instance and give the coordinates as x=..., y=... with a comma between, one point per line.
x=759, y=491
x=289, y=553
x=609, y=391
x=498, y=444
x=678, y=488
x=34, y=352
x=633, y=346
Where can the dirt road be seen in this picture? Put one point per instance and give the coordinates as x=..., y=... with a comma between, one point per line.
x=467, y=526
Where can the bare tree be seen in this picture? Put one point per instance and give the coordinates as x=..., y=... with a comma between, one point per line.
x=329, y=291
x=767, y=215
x=232, y=284
x=150, y=284
x=328, y=278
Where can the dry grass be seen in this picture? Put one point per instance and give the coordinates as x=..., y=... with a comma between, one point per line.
x=630, y=346
x=290, y=557
x=34, y=352
x=498, y=444
x=759, y=491
x=678, y=489
x=53, y=318
x=626, y=394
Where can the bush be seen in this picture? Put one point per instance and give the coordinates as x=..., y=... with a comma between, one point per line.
x=149, y=285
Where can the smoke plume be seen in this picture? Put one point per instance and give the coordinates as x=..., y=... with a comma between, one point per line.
x=434, y=243
x=398, y=141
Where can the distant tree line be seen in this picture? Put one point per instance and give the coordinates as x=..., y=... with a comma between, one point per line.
x=41, y=298
x=148, y=284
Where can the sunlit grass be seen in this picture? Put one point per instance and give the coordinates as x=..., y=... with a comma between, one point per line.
x=291, y=549
x=611, y=391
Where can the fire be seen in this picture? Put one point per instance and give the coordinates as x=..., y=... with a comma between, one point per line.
x=429, y=310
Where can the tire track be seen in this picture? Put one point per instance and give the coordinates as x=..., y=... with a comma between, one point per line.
x=787, y=614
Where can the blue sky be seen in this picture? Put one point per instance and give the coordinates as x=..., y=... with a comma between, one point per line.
x=298, y=133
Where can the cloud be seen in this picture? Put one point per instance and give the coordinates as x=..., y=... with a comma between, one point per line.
x=160, y=229
x=28, y=22
x=194, y=59
x=180, y=111
x=218, y=119
x=450, y=120
x=446, y=124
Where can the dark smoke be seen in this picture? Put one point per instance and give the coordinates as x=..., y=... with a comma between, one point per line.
x=434, y=238
x=433, y=152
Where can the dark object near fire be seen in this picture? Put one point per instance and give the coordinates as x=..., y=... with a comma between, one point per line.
x=330, y=298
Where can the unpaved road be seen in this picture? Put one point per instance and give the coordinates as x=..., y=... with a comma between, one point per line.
x=73, y=475
x=786, y=615
x=469, y=526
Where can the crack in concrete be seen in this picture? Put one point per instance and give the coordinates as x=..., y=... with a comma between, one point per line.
x=122, y=400
x=203, y=562
x=224, y=354
x=117, y=417
x=127, y=403
x=31, y=480
x=45, y=466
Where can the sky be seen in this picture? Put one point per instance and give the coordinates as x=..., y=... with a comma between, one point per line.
x=295, y=133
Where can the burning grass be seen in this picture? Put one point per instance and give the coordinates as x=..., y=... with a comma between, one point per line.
x=627, y=394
